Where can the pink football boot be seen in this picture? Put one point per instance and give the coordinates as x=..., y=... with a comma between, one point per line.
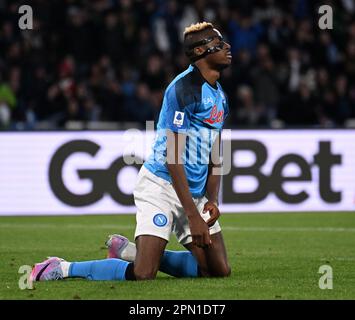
x=49, y=269
x=116, y=244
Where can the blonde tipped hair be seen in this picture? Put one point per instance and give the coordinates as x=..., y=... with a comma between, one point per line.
x=196, y=27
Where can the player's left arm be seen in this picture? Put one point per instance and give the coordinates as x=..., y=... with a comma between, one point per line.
x=213, y=183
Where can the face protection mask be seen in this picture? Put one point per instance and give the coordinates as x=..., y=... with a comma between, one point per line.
x=189, y=50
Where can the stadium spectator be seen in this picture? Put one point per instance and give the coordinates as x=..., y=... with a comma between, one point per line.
x=91, y=60
x=248, y=112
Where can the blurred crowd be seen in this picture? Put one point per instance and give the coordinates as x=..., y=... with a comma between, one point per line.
x=111, y=60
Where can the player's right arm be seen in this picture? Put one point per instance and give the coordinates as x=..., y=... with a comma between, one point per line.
x=175, y=147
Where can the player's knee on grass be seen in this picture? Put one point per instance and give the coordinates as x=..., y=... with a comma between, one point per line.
x=203, y=271
x=149, y=252
x=223, y=270
x=216, y=269
x=144, y=273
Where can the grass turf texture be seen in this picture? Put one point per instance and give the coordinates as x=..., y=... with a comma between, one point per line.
x=273, y=256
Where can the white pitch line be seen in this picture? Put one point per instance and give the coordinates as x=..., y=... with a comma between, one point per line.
x=63, y=226
x=127, y=227
x=339, y=259
x=288, y=229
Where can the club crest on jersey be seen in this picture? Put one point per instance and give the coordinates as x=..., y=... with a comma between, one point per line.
x=178, y=118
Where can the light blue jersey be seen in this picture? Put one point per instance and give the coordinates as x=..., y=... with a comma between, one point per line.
x=193, y=107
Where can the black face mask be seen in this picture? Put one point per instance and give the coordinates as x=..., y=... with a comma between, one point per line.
x=189, y=50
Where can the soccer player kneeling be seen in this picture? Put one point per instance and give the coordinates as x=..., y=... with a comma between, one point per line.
x=177, y=187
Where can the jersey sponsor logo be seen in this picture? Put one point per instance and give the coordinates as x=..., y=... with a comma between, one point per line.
x=207, y=101
x=179, y=118
x=160, y=220
x=215, y=116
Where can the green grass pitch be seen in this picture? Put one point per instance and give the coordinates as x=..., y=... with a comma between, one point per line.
x=273, y=256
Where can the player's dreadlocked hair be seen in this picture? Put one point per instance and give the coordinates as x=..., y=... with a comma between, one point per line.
x=196, y=27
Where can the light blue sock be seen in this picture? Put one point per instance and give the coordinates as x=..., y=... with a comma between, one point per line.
x=108, y=269
x=179, y=264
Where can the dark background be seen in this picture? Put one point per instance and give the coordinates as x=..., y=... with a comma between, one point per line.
x=99, y=61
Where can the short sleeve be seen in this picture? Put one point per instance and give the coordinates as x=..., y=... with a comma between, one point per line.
x=179, y=105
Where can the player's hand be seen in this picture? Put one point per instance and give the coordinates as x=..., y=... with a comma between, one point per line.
x=199, y=232
x=214, y=212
